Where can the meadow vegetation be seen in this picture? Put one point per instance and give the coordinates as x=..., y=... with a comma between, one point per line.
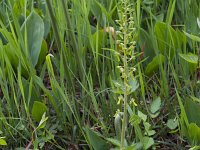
x=99, y=74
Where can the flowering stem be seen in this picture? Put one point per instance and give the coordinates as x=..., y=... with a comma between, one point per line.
x=124, y=121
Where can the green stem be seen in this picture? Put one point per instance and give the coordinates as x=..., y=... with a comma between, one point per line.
x=124, y=121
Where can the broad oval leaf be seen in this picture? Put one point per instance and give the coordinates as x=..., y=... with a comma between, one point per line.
x=38, y=110
x=35, y=31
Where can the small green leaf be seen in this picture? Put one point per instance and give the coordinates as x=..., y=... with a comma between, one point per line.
x=42, y=121
x=38, y=110
x=148, y=129
x=155, y=105
x=155, y=115
x=135, y=120
x=133, y=84
x=172, y=124
x=2, y=141
x=142, y=116
x=119, y=87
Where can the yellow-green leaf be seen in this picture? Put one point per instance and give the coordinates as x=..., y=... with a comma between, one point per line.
x=2, y=141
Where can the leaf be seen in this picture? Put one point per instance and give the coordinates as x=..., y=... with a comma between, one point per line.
x=154, y=64
x=96, y=10
x=166, y=38
x=119, y=87
x=95, y=140
x=99, y=11
x=147, y=142
x=192, y=37
x=172, y=124
x=135, y=120
x=190, y=58
x=35, y=31
x=38, y=110
x=194, y=134
x=146, y=42
x=155, y=105
x=160, y=17
x=135, y=146
x=133, y=84
x=142, y=116
x=148, y=129
x=2, y=141
x=154, y=115
x=13, y=58
x=114, y=141
x=192, y=111
x=42, y=121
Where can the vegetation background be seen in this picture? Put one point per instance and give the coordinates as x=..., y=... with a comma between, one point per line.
x=100, y=74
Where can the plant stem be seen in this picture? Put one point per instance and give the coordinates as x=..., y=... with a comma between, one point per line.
x=124, y=122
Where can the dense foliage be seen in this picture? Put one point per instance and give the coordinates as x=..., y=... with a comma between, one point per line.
x=100, y=74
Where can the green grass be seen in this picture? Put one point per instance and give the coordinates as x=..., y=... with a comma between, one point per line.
x=71, y=75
